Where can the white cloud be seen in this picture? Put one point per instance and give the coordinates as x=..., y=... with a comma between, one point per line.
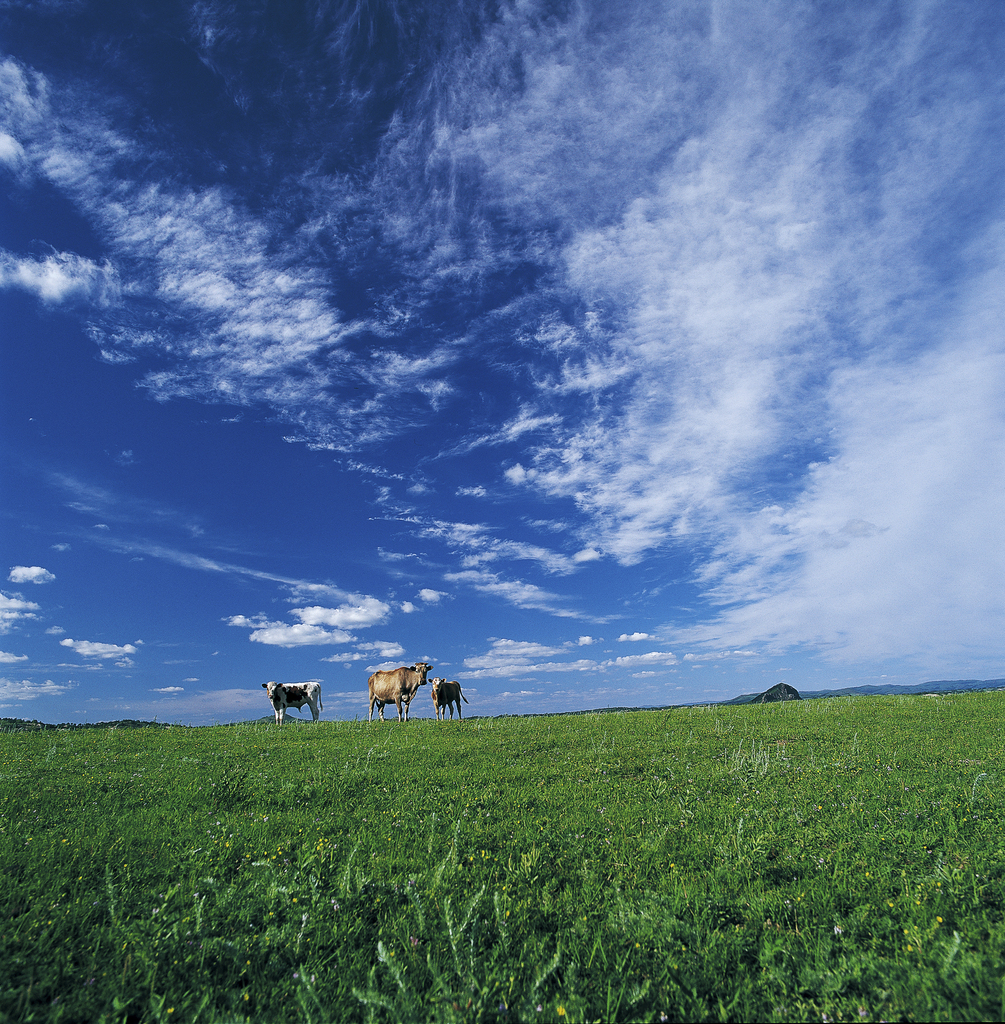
x=634, y=636
x=585, y=641
x=55, y=630
x=516, y=592
x=30, y=574
x=318, y=625
x=262, y=324
x=13, y=608
x=281, y=634
x=664, y=658
x=358, y=613
x=95, y=649
x=721, y=655
x=788, y=364
x=477, y=546
x=892, y=547
x=25, y=689
x=525, y=423
x=381, y=648
x=60, y=277
x=278, y=634
x=10, y=659
x=765, y=300
x=11, y=152
x=169, y=689
x=407, y=607
x=514, y=658
x=431, y=596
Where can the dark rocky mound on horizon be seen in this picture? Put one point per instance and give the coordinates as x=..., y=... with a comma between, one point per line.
x=780, y=691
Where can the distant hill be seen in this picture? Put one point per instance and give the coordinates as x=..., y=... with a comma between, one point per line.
x=778, y=692
x=937, y=686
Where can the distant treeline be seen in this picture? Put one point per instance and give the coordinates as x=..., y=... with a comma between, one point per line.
x=20, y=725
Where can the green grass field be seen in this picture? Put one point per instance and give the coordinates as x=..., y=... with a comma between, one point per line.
x=818, y=860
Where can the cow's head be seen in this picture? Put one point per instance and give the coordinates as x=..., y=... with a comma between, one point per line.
x=422, y=667
x=272, y=689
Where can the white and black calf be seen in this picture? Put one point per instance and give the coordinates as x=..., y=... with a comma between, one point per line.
x=294, y=695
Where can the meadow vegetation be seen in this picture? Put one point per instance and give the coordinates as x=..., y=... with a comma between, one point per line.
x=816, y=860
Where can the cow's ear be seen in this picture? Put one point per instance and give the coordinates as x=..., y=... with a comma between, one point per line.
x=265, y=686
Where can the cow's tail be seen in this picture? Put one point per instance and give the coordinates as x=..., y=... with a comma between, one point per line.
x=461, y=692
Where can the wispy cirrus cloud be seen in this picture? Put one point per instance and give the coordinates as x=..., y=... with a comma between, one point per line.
x=751, y=303
x=516, y=658
x=759, y=282
x=205, y=707
x=477, y=545
x=516, y=592
x=257, y=322
x=664, y=658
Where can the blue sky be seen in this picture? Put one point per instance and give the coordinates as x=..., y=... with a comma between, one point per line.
x=599, y=354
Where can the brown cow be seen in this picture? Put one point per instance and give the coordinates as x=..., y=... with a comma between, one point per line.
x=398, y=686
x=446, y=695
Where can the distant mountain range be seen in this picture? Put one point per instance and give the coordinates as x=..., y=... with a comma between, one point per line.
x=937, y=686
x=783, y=691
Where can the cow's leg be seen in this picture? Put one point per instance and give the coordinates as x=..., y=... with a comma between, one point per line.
x=314, y=711
x=458, y=710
